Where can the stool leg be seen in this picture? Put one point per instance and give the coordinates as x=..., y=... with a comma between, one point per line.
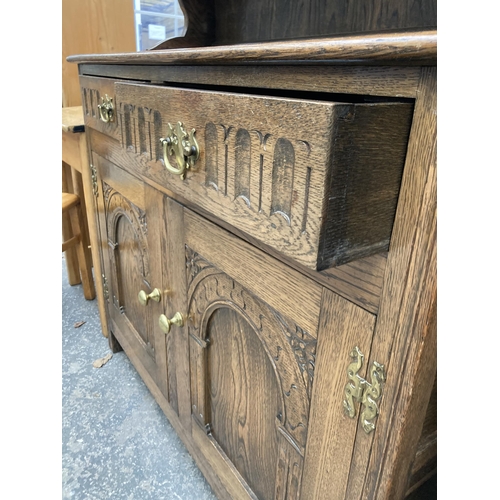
x=85, y=269
x=84, y=229
x=67, y=232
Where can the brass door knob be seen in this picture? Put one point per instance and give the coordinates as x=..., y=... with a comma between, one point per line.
x=165, y=323
x=145, y=297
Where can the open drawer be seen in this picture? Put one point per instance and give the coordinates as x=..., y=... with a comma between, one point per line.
x=316, y=180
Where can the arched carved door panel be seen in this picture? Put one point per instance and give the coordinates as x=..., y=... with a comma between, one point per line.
x=129, y=239
x=252, y=371
x=243, y=397
x=129, y=259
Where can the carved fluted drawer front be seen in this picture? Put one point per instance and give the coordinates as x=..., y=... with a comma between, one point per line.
x=315, y=180
x=99, y=105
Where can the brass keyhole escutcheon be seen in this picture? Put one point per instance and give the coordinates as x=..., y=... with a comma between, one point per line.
x=182, y=146
x=106, y=109
x=144, y=297
x=166, y=324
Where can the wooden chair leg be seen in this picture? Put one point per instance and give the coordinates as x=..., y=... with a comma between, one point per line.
x=83, y=252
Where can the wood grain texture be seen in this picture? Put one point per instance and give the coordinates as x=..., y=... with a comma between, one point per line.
x=72, y=119
x=268, y=279
x=80, y=191
x=364, y=184
x=330, y=443
x=164, y=358
x=69, y=200
x=266, y=122
x=407, y=48
x=121, y=340
x=93, y=90
x=338, y=459
x=316, y=180
x=244, y=400
x=252, y=370
x=250, y=21
x=378, y=81
x=100, y=27
x=122, y=181
x=72, y=206
x=194, y=450
x=405, y=335
x=90, y=195
x=174, y=282
x=129, y=240
x=67, y=231
x=71, y=152
x=75, y=163
x=289, y=347
x=128, y=255
x=359, y=281
x=232, y=485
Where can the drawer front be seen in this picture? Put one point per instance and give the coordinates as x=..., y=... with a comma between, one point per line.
x=298, y=175
x=100, y=92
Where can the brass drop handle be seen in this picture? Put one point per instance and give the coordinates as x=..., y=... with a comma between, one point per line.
x=145, y=297
x=166, y=324
x=183, y=146
x=106, y=109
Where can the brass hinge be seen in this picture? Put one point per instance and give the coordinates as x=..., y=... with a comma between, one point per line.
x=95, y=188
x=105, y=289
x=365, y=393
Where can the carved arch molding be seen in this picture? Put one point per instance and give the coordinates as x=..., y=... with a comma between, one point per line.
x=290, y=349
x=117, y=210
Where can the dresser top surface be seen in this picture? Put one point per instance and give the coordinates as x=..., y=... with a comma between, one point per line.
x=389, y=48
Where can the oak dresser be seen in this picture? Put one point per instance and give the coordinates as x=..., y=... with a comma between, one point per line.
x=263, y=228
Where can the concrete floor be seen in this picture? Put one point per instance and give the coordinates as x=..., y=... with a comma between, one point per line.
x=116, y=442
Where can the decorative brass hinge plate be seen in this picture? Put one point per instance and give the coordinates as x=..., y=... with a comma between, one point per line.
x=95, y=188
x=365, y=393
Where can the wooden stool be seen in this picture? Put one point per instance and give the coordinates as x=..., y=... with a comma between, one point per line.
x=75, y=162
x=71, y=204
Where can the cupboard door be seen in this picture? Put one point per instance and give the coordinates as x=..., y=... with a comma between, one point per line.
x=129, y=234
x=252, y=361
x=330, y=457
